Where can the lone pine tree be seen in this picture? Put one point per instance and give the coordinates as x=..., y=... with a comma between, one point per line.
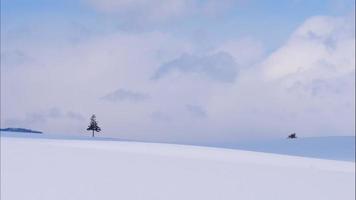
x=93, y=126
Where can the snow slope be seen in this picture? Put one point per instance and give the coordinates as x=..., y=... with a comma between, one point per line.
x=55, y=169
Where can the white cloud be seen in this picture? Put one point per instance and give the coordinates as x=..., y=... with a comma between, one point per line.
x=125, y=95
x=306, y=86
x=196, y=111
x=219, y=66
x=246, y=51
x=53, y=117
x=143, y=12
x=147, y=10
x=322, y=47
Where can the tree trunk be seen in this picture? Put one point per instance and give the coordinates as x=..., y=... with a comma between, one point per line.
x=93, y=134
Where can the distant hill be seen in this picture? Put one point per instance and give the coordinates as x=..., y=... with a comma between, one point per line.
x=331, y=147
x=22, y=130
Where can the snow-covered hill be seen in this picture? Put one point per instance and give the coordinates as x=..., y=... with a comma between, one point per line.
x=58, y=169
x=331, y=148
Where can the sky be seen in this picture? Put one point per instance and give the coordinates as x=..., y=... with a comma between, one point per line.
x=184, y=71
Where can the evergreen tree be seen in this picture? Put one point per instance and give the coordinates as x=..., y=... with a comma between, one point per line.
x=93, y=126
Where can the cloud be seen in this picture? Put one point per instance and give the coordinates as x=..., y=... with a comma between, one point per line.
x=30, y=120
x=218, y=66
x=14, y=58
x=160, y=116
x=196, y=111
x=125, y=95
x=231, y=86
x=150, y=12
x=314, y=74
x=307, y=85
x=56, y=113
x=246, y=51
x=37, y=119
x=74, y=116
x=322, y=47
x=341, y=85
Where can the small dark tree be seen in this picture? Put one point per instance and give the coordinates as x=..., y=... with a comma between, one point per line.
x=292, y=136
x=93, y=126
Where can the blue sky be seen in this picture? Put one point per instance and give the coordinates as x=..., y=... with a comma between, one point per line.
x=228, y=69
